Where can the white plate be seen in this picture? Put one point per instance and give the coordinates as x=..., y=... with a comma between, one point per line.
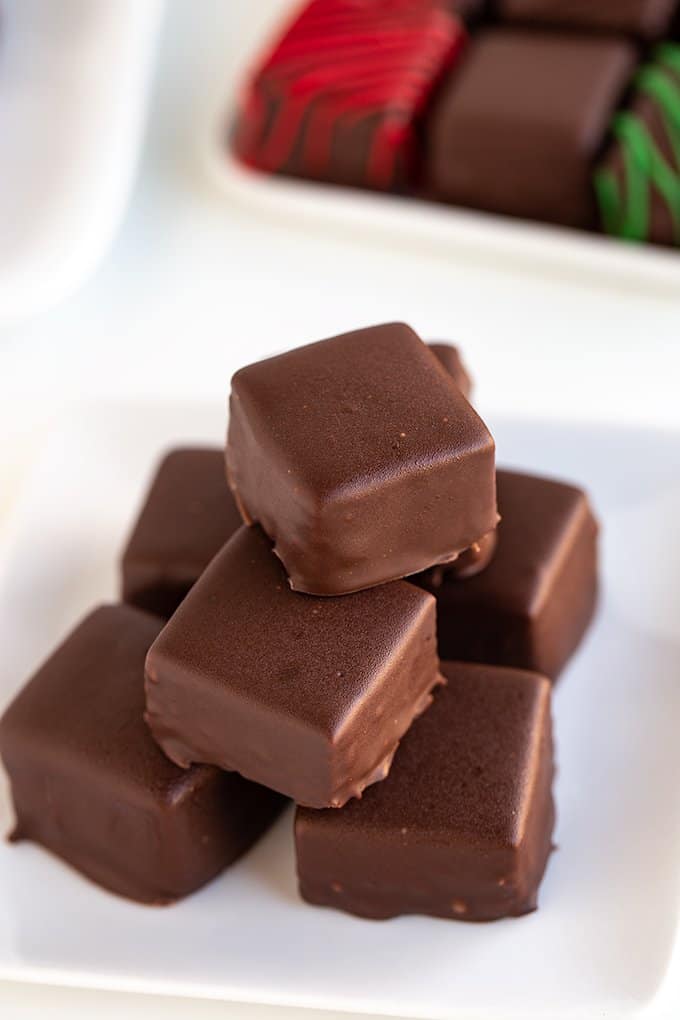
x=455, y=233
x=74, y=83
x=601, y=942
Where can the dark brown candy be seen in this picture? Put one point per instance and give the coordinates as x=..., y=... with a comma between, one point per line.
x=308, y=696
x=340, y=95
x=462, y=826
x=89, y=783
x=361, y=459
x=638, y=179
x=476, y=558
x=644, y=19
x=452, y=361
x=187, y=516
x=473, y=560
x=533, y=603
x=517, y=128
x=469, y=10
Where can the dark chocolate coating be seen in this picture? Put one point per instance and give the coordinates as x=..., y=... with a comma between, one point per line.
x=90, y=784
x=307, y=696
x=643, y=19
x=662, y=219
x=452, y=361
x=462, y=826
x=533, y=603
x=339, y=96
x=361, y=459
x=517, y=128
x=479, y=554
x=187, y=516
x=473, y=560
x=469, y=11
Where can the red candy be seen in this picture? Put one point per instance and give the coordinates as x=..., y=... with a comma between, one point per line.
x=350, y=76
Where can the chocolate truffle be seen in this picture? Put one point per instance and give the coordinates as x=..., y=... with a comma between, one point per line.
x=361, y=459
x=516, y=130
x=90, y=784
x=462, y=826
x=452, y=361
x=340, y=95
x=307, y=696
x=643, y=19
x=187, y=516
x=638, y=181
x=532, y=605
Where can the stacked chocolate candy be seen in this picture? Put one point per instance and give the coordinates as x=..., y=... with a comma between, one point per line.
x=297, y=663
x=563, y=111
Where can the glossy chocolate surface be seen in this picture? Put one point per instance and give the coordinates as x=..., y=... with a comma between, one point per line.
x=187, y=516
x=644, y=19
x=462, y=826
x=89, y=783
x=452, y=360
x=517, y=128
x=361, y=459
x=307, y=696
x=533, y=603
x=478, y=555
x=473, y=560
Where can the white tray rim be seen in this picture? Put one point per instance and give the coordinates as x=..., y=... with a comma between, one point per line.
x=455, y=234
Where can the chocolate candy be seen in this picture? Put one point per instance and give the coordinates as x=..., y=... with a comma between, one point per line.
x=452, y=361
x=361, y=459
x=187, y=516
x=307, y=696
x=517, y=129
x=532, y=604
x=462, y=826
x=638, y=181
x=476, y=558
x=644, y=19
x=89, y=783
x=340, y=95
x=473, y=560
x=469, y=10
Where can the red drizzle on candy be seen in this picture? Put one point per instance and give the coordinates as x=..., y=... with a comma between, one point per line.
x=340, y=63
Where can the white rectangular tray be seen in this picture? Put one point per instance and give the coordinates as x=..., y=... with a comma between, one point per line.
x=458, y=235
x=605, y=939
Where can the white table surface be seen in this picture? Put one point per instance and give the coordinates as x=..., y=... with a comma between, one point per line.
x=193, y=287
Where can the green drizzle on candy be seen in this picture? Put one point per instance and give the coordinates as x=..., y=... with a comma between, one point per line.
x=626, y=210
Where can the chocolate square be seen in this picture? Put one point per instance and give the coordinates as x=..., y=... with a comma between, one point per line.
x=452, y=360
x=516, y=130
x=533, y=603
x=643, y=19
x=340, y=95
x=638, y=179
x=462, y=826
x=187, y=516
x=307, y=696
x=361, y=459
x=89, y=783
